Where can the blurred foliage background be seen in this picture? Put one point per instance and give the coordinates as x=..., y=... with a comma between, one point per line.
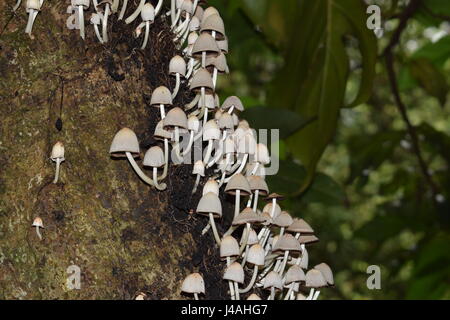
x=365, y=127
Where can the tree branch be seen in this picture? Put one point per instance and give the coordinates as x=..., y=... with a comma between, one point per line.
x=409, y=11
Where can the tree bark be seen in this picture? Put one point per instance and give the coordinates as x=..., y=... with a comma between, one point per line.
x=125, y=236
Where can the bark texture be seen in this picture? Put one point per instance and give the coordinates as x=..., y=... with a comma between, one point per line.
x=124, y=235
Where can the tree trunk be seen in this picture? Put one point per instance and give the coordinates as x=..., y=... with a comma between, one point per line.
x=124, y=235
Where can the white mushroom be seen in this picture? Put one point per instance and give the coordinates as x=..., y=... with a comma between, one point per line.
x=135, y=14
x=32, y=7
x=96, y=20
x=148, y=16
x=57, y=156
x=37, y=223
x=81, y=5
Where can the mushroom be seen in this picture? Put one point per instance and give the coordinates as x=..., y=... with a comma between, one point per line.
x=135, y=14
x=199, y=170
x=154, y=157
x=284, y=220
x=223, y=45
x=298, y=227
x=252, y=239
x=193, y=125
x=202, y=83
x=238, y=186
x=211, y=133
x=213, y=24
x=96, y=20
x=287, y=244
x=218, y=65
x=37, y=223
x=258, y=186
x=193, y=284
x=192, y=38
x=57, y=156
x=174, y=121
x=205, y=46
x=261, y=157
x=327, y=274
x=17, y=5
x=256, y=257
x=177, y=68
x=186, y=10
x=232, y=103
x=148, y=17
x=81, y=6
x=108, y=4
x=194, y=26
x=234, y=272
x=125, y=144
x=211, y=186
x=246, y=217
x=161, y=134
x=32, y=7
x=294, y=275
x=274, y=210
x=210, y=205
x=246, y=147
x=272, y=281
x=229, y=248
x=314, y=279
x=253, y=296
x=208, y=12
x=228, y=150
x=225, y=123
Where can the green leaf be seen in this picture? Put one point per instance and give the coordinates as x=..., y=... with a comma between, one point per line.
x=433, y=12
x=286, y=121
x=430, y=78
x=381, y=228
x=438, y=52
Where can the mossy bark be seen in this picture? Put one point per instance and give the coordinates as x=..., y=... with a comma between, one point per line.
x=124, y=235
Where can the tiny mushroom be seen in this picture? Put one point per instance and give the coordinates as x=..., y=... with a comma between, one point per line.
x=294, y=275
x=211, y=133
x=287, y=244
x=193, y=125
x=314, y=279
x=199, y=170
x=202, y=83
x=256, y=256
x=57, y=156
x=193, y=284
x=37, y=223
x=210, y=205
x=154, y=157
x=106, y=13
x=229, y=247
x=205, y=46
x=174, y=121
x=272, y=281
x=96, y=20
x=234, y=272
x=258, y=186
x=32, y=7
x=232, y=103
x=148, y=17
x=237, y=186
x=177, y=68
x=81, y=6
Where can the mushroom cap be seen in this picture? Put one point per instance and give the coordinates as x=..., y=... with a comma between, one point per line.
x=228, y=146
x=262, y=154
x=193, y=283
x=148, y=12
x=267, y=218
x=202, y=79
x=308, y=239
x=253, y=296
x=258, y=183
x=124, y=141
x=177, y=65
x=199, y=13
x=194, y=24
x=154, y=157
x=210, y=102
x=246, y=144
x=211, y=131
x=208, y=12
x=223, y=45
x=326, y=272
x=205, y=43
x=300, y=226
x=268, y=208
x=315, y=279
x=215, y=23
x=225, y=121
x=238, y=182
x=176, y=117
x=57, y=151
x=192, y=37
x=273, y=280
x=233, y=101
x=95, y=19
x=160, y=132
x=210, y=203
x=33, y=4
x=284, y=220
x=234, y=272
x=161, y=95
x=229, y=247
x=252, y=238
x=294, y=274
x=211, y=186
x=37, y=222
x=256, y=255
x=304, y=259
x=199, y=168
x=84, y=3
x=274, y=195
x=193, y=123
x=247, y=216
x=287, y=242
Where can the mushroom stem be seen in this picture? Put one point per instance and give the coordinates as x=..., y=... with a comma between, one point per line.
x=192, y=104
x=219, y=152
x=255, y=169
x=196, y=296
x=311, y=294
x=177, y=17
x=95, y=2
x=283, y=264
x=255, y=202
x=272, y=293
x=190, y=68
x=237, y=203
x=197, y=180
x=97, y=33
x=241, y=167
x=252, y=281
x=214, y=229
x=288, y=294
x=29, y=26
x=227, y=162
x=244, y=258
x=17, y=5
x=236, y=291
x=158, y=7
x=38, y=233
x=142, y=175
x=204, y=108
x=194, y=6
x=177, y=85
x=230, y=111
x=161, y=110
x=147, y=32
x=246, y=235
x=124, y=8
x=208, y=151
x=203, y=59
x=172, y=11
x=166, y=159
x=105, y=24
x=316, y=295
x=155, y=178
x=58, y=162
x=81, y=20
x=135, y=14
x=214, y=76
x=177, y=144
x=189, y=146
